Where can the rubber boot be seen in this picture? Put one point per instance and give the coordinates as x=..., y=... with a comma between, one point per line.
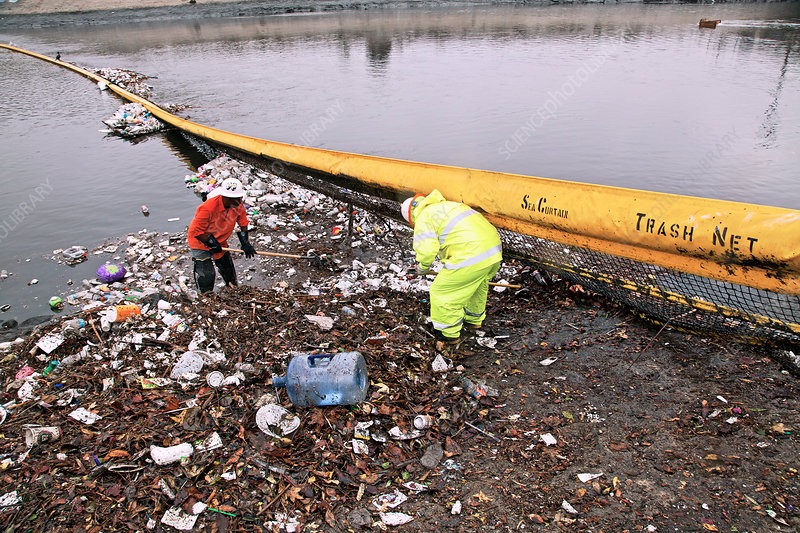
x=443, y=342
x=226, y=268
x=204, y=275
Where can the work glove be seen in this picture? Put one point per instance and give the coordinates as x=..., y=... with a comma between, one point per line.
x=247, y=248
x=422, y=270
x=213, y=245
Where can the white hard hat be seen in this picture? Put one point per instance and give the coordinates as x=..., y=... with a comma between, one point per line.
x=231, y=188
x=406, y=207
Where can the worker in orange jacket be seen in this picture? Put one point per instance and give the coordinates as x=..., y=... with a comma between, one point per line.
x=213, y=222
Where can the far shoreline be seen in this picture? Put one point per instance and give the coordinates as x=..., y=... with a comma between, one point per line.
x=36, y=14
x=22, y=15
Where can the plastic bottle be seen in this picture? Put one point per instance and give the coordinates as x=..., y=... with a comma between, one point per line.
x=50, y=367
x=271, y=199
x=75, y=323
x=311, y=204
x=133, y=296
x=479, y=389
x=76, y=357
x=471, y=389
x=325, y=379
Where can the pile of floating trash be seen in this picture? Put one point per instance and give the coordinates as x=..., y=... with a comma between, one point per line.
x=131, y=81
x=132, y=120
x=73, y=255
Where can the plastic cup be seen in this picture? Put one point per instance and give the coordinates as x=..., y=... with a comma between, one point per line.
x=119, y=313
x=215, y=378
x=423, y=421
x=40, y=434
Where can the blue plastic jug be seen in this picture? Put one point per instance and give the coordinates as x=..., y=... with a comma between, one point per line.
x=325, y=379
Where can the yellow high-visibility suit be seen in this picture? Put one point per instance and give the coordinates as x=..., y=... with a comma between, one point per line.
x=470, y=250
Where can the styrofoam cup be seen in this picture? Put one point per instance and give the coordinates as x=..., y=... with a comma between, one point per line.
x=170, y=454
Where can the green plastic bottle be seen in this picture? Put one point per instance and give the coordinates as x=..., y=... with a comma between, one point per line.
x=50, y=367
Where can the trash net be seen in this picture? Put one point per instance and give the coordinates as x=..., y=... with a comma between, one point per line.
x=668, y=297
x=682, y=301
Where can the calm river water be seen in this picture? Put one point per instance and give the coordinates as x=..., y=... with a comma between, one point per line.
x=632, y=95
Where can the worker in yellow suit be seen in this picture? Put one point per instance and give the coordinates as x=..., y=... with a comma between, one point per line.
x=470, y=250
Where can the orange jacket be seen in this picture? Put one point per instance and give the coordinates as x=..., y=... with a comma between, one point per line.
x=212, y=217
